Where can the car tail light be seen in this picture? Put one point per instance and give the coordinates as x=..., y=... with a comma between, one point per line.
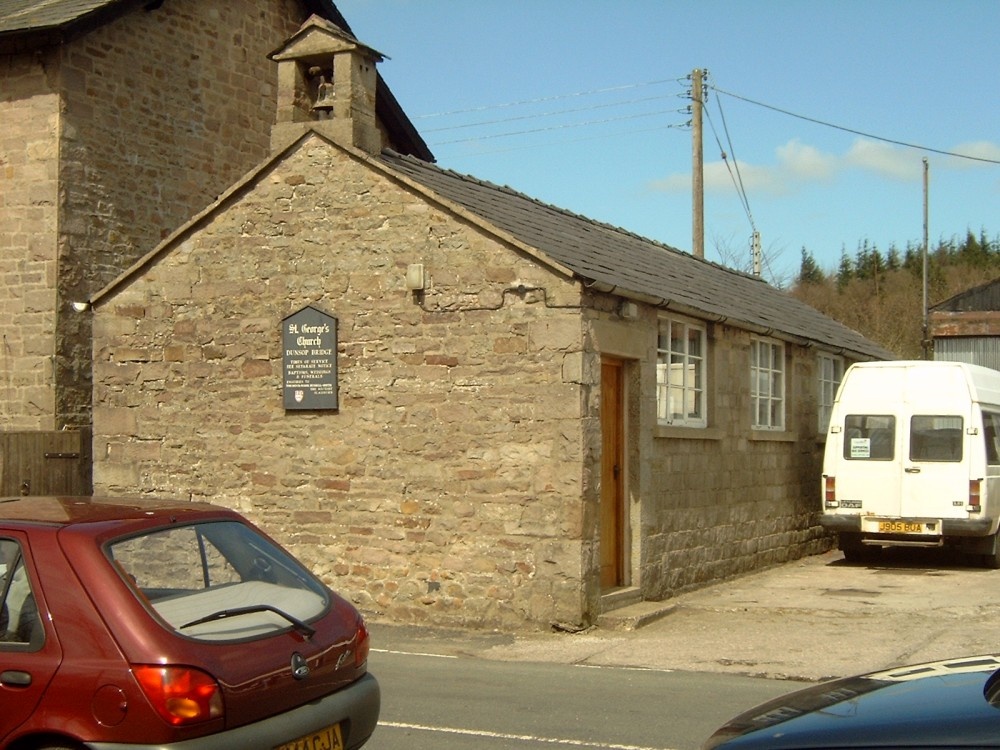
x=975, y=495
x=830, y=491
x=362, y=646
x=181, y=695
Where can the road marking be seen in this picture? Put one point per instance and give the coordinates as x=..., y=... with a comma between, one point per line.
x=412, y=653
x=517, y=737
x=619, y=667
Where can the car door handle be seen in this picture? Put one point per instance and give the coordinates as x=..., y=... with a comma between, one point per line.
x=912, y=469
x=15, y=678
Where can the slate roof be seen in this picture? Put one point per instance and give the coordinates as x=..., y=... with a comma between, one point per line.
x=33, y=24
x=614, y=260
x=42, y=16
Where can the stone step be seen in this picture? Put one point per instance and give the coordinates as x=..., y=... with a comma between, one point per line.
x=634, y=616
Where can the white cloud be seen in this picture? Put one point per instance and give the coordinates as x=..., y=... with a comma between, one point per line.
x=976, y=150
x=805, y=163
x=896, y=163
x=797, y=164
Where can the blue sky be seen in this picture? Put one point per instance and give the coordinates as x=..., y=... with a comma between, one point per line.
x=581, y=103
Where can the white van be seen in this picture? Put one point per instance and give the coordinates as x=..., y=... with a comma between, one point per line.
x=913, y=458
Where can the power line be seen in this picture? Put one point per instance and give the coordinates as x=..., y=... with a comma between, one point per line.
x=556, y=97
x=564, y=127
x=856, y=132
x=552, y=113
x=564, y=141
x=732, y=167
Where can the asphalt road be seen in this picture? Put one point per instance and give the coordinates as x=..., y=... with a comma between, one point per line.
x=715, y=652
x=463, y=702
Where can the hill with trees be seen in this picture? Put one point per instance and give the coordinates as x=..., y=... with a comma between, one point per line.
x=880, y=294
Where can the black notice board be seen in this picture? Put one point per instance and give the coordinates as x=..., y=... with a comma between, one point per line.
x=309, y=344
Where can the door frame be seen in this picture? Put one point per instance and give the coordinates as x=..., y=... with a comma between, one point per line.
x=613, y=518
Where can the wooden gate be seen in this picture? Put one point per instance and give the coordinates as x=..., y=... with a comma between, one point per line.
x=45, y=463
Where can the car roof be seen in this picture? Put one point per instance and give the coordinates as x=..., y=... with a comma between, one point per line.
x=68, y=510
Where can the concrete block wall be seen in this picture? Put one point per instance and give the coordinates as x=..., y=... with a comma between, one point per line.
x=736, y=500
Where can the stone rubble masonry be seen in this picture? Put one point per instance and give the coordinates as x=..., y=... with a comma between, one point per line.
x=457, y=482
x=446, y=487
x=29, y=111
x=110, y=142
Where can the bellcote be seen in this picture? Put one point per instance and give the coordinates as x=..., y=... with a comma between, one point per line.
x=326, y=81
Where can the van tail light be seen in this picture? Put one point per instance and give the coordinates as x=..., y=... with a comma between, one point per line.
x=181, y=695
x=362, y=645
x=830, y=491
x=975, y=495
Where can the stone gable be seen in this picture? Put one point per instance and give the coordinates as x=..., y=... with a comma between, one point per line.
x=448, y=485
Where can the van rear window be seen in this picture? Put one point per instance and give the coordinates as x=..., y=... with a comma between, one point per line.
x=870, y=437
x=936, y=438
x=991, y=433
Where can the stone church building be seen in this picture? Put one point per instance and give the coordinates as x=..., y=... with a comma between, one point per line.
x=457, y=404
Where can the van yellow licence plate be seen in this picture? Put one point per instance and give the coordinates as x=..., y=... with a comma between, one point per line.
x=328, y=738
x=900, y=527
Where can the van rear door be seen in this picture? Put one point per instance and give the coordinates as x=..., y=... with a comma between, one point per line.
x=935, y=469
x=869, y=480
x=937, y=405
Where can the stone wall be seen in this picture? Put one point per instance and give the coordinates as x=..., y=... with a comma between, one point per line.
x=130, y=130
x=448, y=486
x=29, y=111
x=459, y=480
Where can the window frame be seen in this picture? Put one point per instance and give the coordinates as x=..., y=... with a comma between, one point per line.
x=864, y=437
x=27, y=603
x=695, y=391
x=774, y=368
x=827, y=387
x=991, y=436
x=928, y=426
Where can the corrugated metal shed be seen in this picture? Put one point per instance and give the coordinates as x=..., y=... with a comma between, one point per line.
x=966, y=327
x=984, y=351
x=985, y=297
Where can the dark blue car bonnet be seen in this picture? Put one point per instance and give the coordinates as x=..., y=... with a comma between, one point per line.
x=951, y=703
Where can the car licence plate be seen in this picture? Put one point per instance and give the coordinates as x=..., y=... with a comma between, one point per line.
x=328, y=738
x=900, y=527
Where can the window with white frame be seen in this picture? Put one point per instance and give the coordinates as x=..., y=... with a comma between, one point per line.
x=680, y=374
x=767, y=384
x=831, y=372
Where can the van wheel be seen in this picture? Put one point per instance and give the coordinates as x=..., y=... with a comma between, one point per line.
x=865, y=555
x=992, y=561
x=856, y=552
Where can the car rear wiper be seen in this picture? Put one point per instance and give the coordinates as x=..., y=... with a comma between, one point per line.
x=222, y=614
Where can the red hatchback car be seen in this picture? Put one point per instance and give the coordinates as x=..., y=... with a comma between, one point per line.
x=128, y=624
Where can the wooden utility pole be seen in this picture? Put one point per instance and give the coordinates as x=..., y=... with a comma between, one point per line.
x=697, y=167
x=925, y=344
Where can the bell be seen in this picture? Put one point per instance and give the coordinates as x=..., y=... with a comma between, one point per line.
x=324, y=97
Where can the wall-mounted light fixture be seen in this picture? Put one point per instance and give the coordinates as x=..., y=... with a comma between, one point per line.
x=80, y=306
x=415, y=279
x=628, y=310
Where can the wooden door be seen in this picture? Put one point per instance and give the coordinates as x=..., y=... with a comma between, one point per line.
x=612, y=512
x=44, y=463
